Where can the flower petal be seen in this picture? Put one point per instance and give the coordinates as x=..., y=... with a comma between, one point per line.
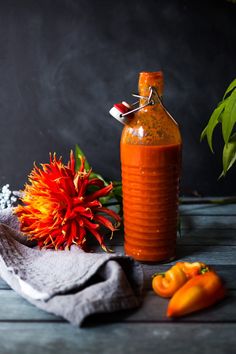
x=100, y=193
x=109, y=212
x=104, y=221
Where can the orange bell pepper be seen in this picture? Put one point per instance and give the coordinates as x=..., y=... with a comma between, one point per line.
x=166, y=284
x=192, y=269
x=199, y=292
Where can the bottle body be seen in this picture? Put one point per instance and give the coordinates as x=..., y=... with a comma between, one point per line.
x=150, y=162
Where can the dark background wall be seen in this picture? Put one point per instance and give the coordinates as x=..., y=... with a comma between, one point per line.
x=64, y=63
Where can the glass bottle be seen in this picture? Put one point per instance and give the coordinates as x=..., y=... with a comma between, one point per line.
x=150, y=163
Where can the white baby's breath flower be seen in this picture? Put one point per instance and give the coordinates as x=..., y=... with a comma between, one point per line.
x=8, y=198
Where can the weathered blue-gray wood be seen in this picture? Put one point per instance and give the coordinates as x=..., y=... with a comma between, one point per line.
x=129, y=338
x=191, y=222
x=208, y=237
x=3, y=285
x=208, y=209
x=14, y=307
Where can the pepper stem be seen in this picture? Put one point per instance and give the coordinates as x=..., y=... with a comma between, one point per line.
x=204, y=270
x=162, y=274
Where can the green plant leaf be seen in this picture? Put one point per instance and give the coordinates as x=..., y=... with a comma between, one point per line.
x=231, y=87
x=97, y=175
x=229, y=154
x=203, y=134
x=117, y=191
x=225, y=113
x=229, y=116
x=116, y=183
x=214, y=120
x=106, y=199
x=115, y=194
x=78, y=154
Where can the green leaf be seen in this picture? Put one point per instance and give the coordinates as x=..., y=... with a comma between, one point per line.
x=214, y=120
x=106, y=199
x=115, y=194
x=229, y=116
x=231, y=87
x=117, y=191
x=78, y=154
x=97, y=175
x=116, y=183
x=229, y=154
x=203, y=134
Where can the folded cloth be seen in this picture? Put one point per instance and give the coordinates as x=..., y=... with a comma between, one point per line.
x=70, y=283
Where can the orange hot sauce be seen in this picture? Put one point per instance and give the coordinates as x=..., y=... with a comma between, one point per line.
x=150, y=163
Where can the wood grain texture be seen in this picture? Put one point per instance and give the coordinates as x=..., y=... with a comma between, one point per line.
x=208, y=209
x=218, y=237
x=3, y=285
x=15, y=308
x=161, y=338
x=191, y=222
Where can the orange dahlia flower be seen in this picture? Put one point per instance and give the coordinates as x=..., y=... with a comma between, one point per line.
x=61, y=206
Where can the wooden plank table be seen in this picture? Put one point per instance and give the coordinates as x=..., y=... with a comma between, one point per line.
x=209, y=235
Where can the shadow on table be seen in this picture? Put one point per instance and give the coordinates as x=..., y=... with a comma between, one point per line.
x=108, y=318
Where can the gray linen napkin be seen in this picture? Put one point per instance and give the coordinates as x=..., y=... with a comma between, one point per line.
x=72, y=284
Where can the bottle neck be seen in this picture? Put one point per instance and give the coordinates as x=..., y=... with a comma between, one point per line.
x=147, y=80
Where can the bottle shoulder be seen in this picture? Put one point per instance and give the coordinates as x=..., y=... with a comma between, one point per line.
x=151, y=127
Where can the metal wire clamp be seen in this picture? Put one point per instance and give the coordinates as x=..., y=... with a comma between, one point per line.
x=123, y=111
x=151, y=99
